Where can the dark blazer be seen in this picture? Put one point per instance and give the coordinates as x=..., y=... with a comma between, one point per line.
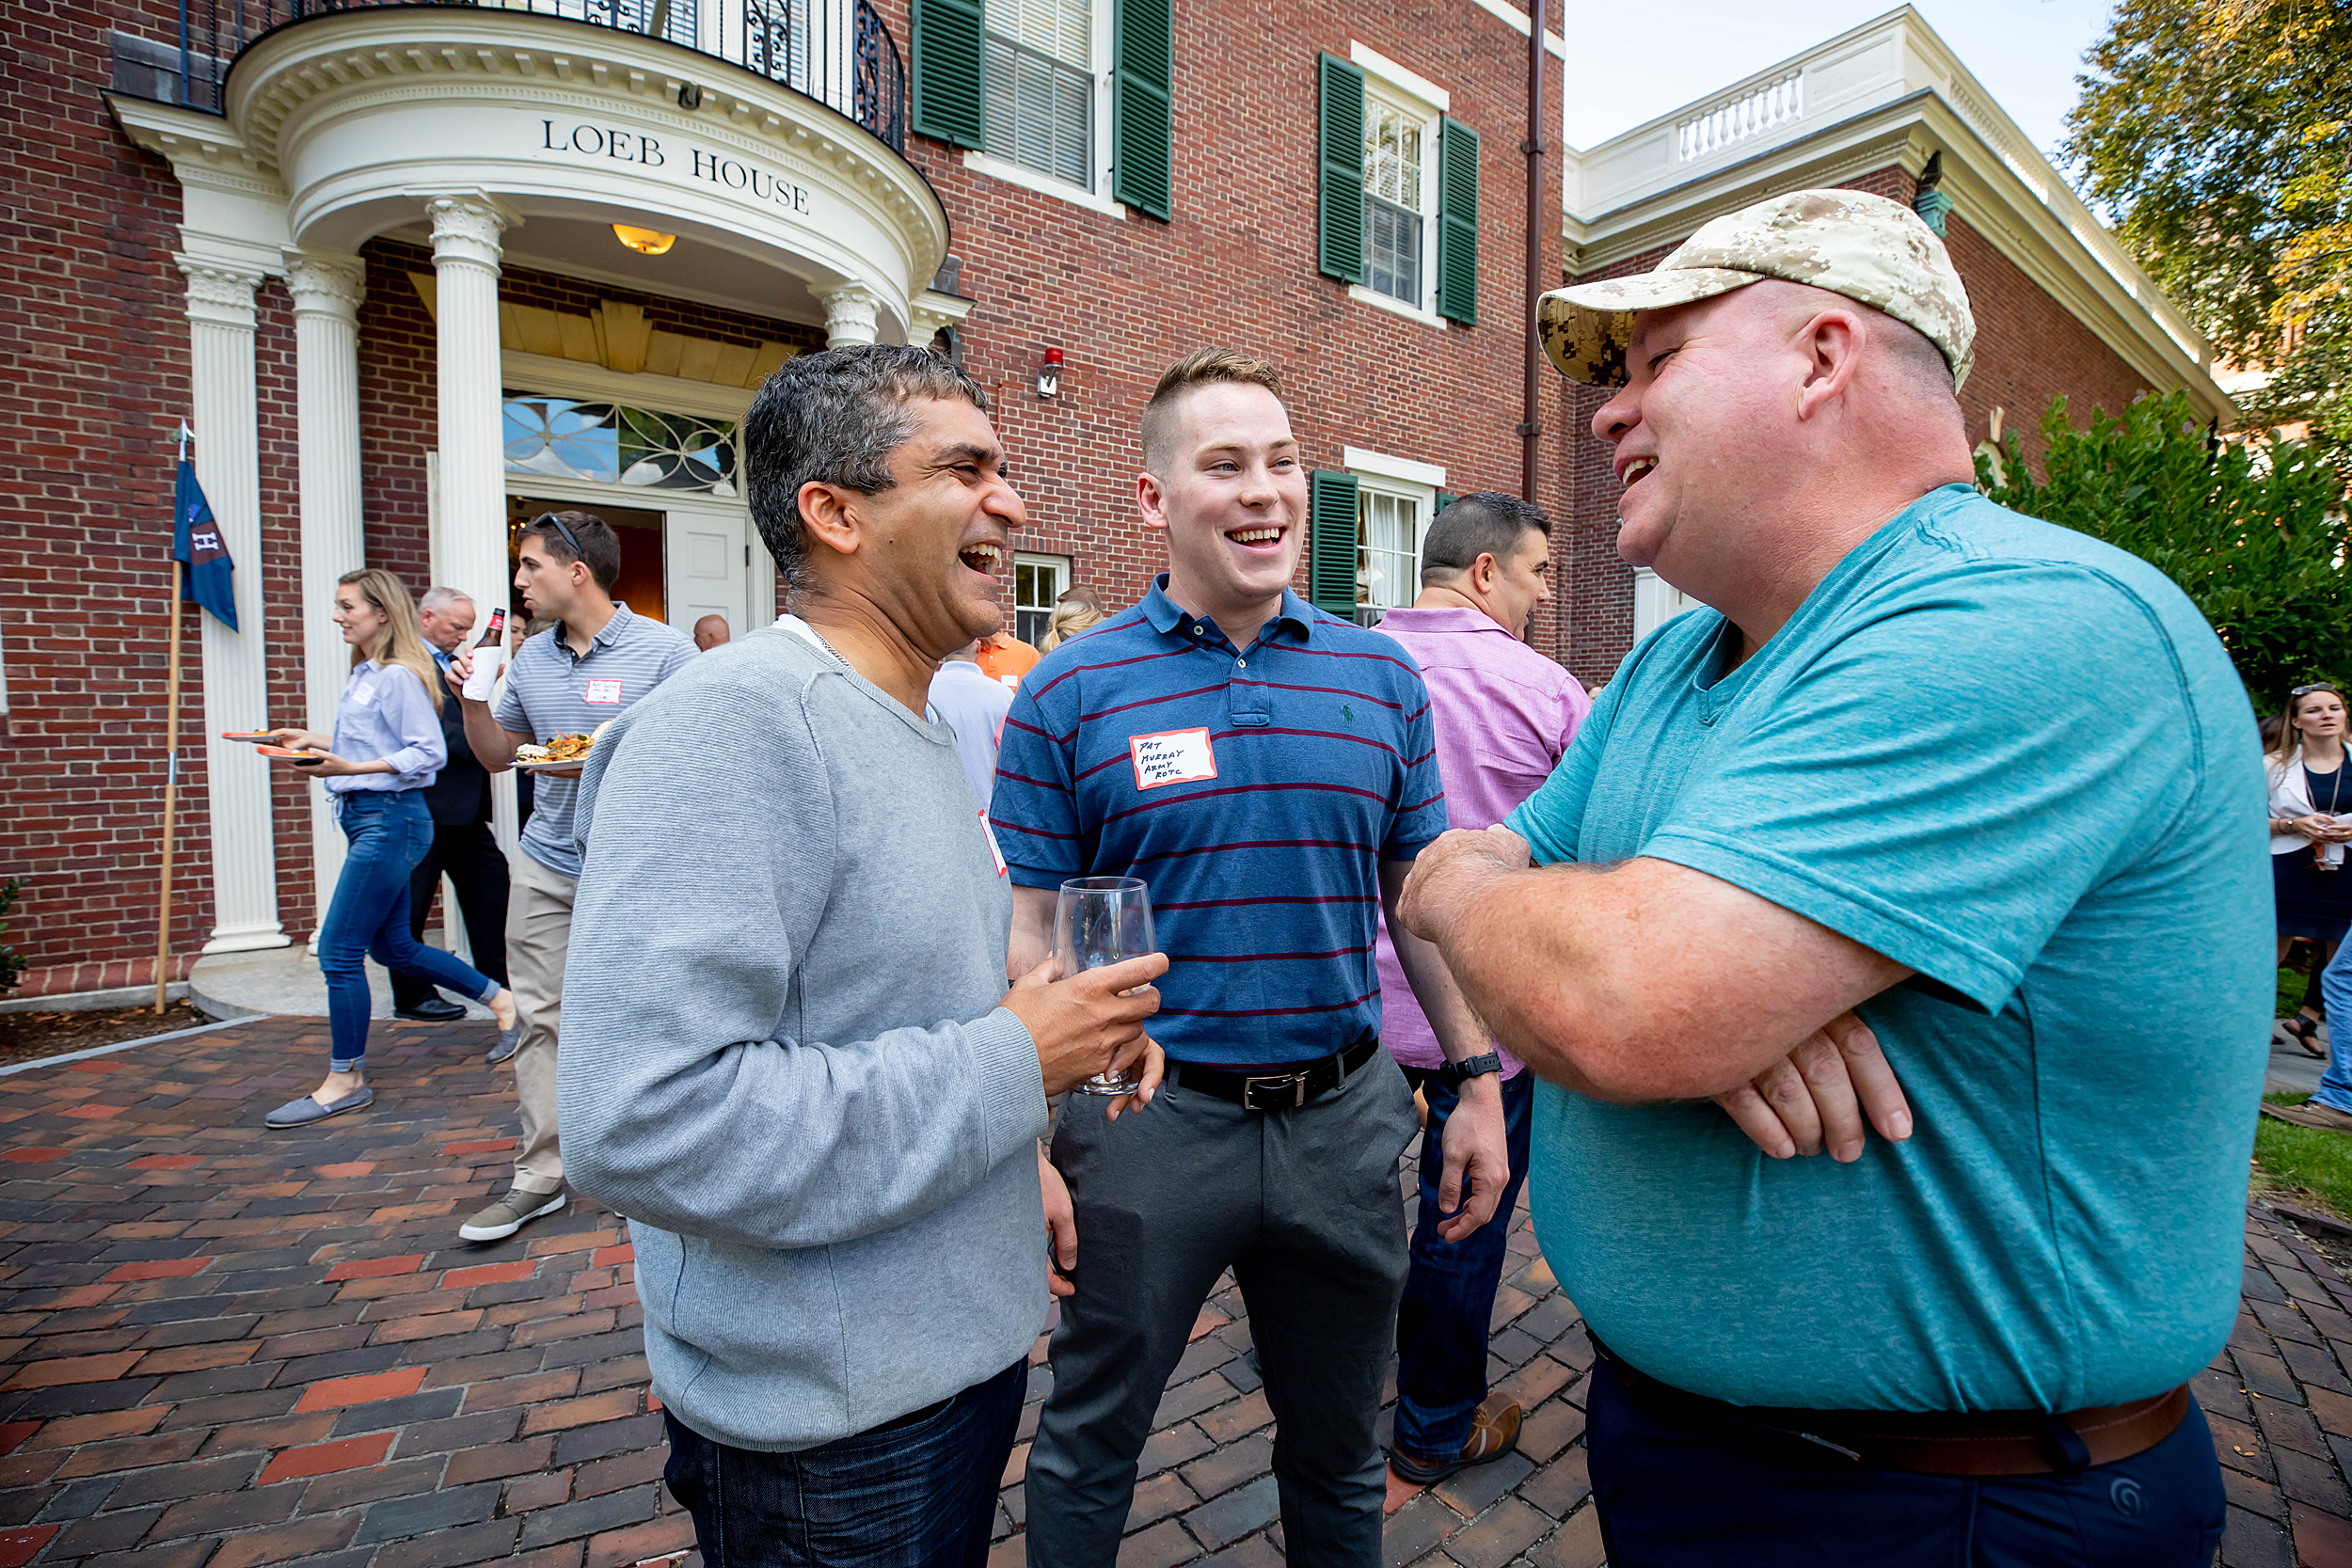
x=459, y=795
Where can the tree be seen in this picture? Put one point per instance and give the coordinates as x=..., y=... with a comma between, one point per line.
x=2255, y=537
x=2219, y=132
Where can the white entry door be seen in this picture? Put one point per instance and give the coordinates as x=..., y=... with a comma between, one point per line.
x=708, y=552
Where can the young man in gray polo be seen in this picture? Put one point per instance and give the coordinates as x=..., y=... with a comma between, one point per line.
x=813, y=1093
x=592, y=665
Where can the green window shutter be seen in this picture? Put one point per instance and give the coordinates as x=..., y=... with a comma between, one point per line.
x=947, y=71
x=1340, y=144
x=1331, y=528
x=1457, y=223
x=1445, y=498
x=1143, y=120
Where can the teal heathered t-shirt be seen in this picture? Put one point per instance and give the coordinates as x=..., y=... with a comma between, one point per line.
x=2017, y=761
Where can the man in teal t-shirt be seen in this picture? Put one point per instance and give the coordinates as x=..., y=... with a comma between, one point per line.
x=1979, y=779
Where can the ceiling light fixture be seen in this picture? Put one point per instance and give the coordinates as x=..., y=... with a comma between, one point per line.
x=645, y=240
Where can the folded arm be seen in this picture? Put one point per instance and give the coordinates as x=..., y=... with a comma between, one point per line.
x=1641, y=981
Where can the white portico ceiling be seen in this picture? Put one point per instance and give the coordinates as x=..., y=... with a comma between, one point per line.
x=360, y=117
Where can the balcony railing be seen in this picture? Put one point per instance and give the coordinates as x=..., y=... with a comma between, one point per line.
x=837, y=51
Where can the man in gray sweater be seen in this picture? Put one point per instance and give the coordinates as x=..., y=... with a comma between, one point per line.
x=814, y=1095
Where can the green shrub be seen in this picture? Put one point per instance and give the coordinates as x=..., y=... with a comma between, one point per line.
x=2254, y=535
x=11, y=961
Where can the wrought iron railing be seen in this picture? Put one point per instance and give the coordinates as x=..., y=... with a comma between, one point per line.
x=839, y=52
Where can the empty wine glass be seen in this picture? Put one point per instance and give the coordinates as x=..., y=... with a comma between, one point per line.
x=1098, y=921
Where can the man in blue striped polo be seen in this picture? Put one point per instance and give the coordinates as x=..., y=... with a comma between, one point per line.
x=1270, y=770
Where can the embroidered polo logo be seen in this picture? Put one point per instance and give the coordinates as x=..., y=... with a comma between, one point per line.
x=1347, y=713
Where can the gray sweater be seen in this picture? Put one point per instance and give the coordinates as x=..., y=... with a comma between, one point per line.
x=783, y=1056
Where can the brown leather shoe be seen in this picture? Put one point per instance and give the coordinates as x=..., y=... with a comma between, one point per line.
x=1494, y=1432
x=2310, y=1113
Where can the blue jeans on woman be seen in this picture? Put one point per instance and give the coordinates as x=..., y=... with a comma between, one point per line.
x=917, y=1492
x=387, y=833
x=1449, y=1294
x=2335, y=988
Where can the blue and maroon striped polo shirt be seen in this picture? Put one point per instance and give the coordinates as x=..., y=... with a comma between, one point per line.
x=1255, y=790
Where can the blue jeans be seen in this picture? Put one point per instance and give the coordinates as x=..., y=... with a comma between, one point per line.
x=1450, y=1292
x=2335, y=989
x=1674, y=1492
x=920, y=1492
x=387, y=833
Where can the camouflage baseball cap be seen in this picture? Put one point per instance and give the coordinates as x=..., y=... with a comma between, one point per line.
x=1874, y=252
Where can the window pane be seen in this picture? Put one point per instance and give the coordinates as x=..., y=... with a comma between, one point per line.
x=1393, y=154
x=1392, y=251
x=1040, y=112
x=1390, y=531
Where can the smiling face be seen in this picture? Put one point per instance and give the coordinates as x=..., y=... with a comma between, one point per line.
x=1522, y=582
x=362, y=623
x=1694, y=427
x=933, y=551
x=1233, y=500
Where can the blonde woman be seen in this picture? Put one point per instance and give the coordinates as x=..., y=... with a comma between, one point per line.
x=2310, y=820
x=1074, y=612
x=385, y=748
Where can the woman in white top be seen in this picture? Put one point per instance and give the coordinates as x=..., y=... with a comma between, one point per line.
x=2309, y=792
x=386, y=747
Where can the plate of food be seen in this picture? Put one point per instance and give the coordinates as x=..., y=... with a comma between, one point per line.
x=557, y=753
x=253, y=737
x=291, y=754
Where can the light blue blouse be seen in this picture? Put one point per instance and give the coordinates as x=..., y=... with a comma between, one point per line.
x=385, y=715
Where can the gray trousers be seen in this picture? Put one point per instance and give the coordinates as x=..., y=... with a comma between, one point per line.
x=1303, y=1207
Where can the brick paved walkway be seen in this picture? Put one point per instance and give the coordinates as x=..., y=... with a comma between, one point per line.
x=232, y=1347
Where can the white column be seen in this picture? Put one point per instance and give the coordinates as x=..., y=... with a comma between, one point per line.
x=469, y=492
x=327, y=293
x=851, y=313
x=222, y=410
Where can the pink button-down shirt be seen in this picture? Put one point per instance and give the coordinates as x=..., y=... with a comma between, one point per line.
x=1503, y=715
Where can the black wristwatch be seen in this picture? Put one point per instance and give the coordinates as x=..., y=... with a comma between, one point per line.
x=1457, y=1073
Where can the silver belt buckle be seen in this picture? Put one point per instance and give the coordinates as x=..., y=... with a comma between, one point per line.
x=1290, y=1084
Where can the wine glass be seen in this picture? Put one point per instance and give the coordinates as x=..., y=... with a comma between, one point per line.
x=1098, y=921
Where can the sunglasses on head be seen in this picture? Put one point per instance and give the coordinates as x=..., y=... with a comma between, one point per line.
x=2307, y=691
x=548, y=519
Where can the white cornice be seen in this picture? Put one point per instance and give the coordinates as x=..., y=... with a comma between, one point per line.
x=337, y=104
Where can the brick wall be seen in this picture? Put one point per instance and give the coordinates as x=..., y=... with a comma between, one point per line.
x=1122, y=298
x=95, y=348
x=2029, y=350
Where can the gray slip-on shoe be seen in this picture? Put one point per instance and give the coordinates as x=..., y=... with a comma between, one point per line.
x=508, y=1040
x=511, y=1213
x=302, y=1111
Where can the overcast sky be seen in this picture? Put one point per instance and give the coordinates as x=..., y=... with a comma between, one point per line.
x=1624, y=68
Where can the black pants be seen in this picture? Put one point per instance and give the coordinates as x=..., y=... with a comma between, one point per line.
x=920, y=1494
x=1302, y=1205
x=471, y=855
x=1674, y=1494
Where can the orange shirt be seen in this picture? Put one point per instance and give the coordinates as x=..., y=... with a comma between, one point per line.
x=1005, y=658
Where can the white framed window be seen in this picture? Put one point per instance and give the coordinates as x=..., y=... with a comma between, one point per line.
x=1045, y=90
x=1038, y=581
x=1402, y=113
x=1398, y=147
x=1395, y=498
x=1389, y=528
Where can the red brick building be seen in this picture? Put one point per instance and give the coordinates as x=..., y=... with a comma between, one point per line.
x=371, y=255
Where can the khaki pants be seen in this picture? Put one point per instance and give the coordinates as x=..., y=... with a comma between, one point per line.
x=538, y=936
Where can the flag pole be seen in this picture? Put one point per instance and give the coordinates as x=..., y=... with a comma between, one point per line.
x=171, y=772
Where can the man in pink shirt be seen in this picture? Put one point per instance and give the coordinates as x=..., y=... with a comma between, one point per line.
x=1503, y=715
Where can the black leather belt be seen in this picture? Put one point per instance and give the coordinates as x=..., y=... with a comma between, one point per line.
x=1286, y=1089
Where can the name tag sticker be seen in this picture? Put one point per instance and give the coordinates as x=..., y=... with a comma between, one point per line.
x=989, y=833
x=363, y=697
x=1171, y=756
x=607, y=692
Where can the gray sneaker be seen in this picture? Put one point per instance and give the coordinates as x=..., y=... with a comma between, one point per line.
x=511, y=1213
